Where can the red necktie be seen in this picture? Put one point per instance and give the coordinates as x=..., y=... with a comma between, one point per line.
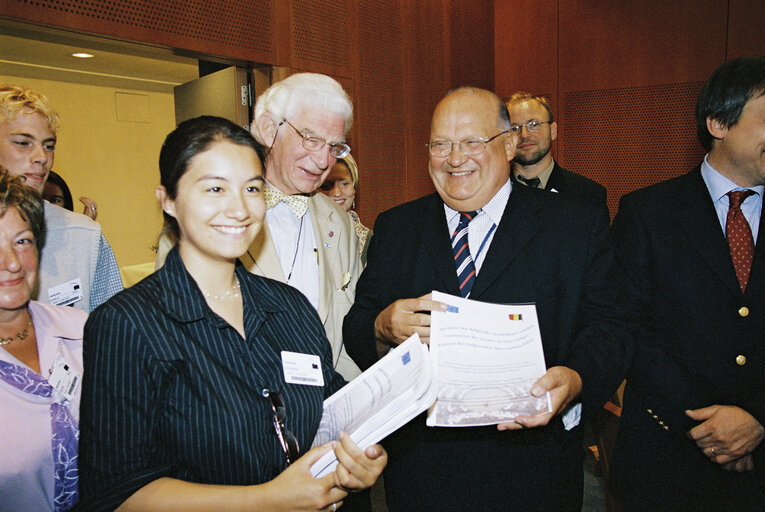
x=739, y=236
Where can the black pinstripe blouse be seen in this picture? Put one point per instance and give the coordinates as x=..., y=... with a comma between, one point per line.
x=171, y=389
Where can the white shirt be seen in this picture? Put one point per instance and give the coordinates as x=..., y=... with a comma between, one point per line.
x=295, y=244
x=26, y=458
x=484, y=225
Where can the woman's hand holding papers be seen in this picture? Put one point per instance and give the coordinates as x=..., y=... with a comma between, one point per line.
x=296, y=489
x=564, y=385
x=357, y=469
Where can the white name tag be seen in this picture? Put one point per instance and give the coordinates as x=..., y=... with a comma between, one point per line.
x=302, y=369
x=65, y=379
x=66, y=293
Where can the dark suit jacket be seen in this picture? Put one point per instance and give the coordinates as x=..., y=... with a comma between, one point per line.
x=547, y=249
x=690, y=327
x=576, y=186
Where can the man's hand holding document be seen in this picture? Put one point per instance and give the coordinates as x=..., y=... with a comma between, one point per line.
x=482, y=363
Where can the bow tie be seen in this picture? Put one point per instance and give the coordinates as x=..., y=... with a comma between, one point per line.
x=298, y=203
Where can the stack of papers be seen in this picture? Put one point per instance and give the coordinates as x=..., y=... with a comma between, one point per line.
x=483, y=360
x=388, y=395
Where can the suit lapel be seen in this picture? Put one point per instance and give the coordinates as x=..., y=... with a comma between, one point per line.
x=757, y=276
x=437, y=242
x=261, y=258
x=695, y=214
x=556, y=179
x=520, y=222
x=327, y=231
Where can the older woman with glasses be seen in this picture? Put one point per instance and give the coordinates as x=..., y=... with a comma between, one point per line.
x=200, y=374
x=40, y=367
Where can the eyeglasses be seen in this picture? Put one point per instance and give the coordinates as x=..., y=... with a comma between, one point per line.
x=286, y=438
x=311, y=143
x=532, y=126
x=470, y=147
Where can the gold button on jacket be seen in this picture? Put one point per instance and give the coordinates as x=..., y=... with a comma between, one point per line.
x=740, y=360
x=743, y=311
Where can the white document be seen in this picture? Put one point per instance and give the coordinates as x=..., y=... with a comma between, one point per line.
x=388, y=395
x=486, y=358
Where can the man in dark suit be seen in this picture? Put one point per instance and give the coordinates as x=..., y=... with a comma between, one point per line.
x=526, y=245
x=691, y=429
x=533, y=164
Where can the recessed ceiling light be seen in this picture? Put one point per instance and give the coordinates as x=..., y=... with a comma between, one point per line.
x=82, y=55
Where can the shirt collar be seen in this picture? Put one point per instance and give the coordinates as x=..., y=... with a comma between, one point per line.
x=494, y=208
x=544, y=176
x=718, y=185
x=184, y=301
x=42, y=318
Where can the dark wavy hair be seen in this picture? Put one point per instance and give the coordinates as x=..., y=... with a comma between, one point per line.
x=27, y=201
x=188, y=140
x=60, y=183
x=726, y=93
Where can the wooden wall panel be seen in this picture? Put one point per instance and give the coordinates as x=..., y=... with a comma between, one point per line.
x=746, y=28
x=630, y=137
x=471, y=43
x=604, y=45
x=426, y=67
x=237, y=29
x=526, y=48
x=380, y=107
x=317, y=45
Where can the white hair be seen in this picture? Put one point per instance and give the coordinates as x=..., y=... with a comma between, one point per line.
x=302, y=90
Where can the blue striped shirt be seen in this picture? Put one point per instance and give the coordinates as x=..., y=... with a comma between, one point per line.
x=171, y=389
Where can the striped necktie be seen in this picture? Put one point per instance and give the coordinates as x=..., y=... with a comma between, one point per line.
x=462, y=258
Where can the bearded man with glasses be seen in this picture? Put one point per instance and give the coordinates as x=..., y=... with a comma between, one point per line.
x=532, y=119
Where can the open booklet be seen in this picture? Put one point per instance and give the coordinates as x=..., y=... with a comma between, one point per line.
x=487, y=357
x=482, y=363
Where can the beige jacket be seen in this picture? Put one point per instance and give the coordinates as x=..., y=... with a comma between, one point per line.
x=339, y=269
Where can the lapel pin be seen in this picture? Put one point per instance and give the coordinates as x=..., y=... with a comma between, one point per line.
x=326, y=245
x=331, y=233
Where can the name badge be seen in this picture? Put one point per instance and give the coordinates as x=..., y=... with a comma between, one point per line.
x=66, y=293
x=302, y=369
x=65, y=379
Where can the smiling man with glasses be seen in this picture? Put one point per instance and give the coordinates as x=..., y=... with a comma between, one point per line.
x=308, y=242
x=484, y=237
x=531, y=118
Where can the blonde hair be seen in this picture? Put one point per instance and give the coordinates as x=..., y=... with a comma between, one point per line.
x=13, y=99
x=353, y=169
x=520, y=96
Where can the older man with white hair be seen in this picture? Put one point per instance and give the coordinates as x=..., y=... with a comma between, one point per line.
x=308, y=242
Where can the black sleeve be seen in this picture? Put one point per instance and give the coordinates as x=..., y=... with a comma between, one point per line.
x=121, y=388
